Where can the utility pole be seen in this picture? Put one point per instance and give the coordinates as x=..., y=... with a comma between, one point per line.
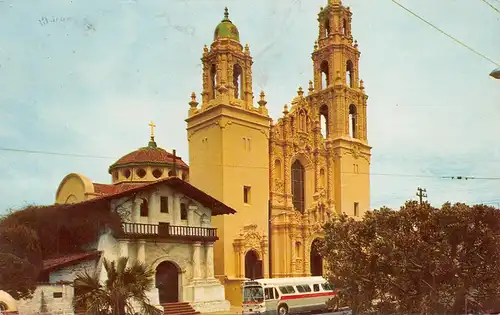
x=421, y=194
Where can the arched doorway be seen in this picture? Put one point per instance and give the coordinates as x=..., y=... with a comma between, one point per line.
x=316, y=261
x=253, y=266
x=167, y=282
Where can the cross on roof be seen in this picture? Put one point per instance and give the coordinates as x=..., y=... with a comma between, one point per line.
x=152, y=125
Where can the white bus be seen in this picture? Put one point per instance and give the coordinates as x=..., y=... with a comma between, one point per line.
x=284, y=296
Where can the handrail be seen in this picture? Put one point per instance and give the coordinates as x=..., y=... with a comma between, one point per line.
x=167, y=230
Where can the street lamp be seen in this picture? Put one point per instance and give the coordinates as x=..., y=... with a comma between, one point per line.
x=495, y=73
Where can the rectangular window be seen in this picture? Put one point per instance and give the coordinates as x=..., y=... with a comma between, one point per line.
x=184, y=213
x=246, y=194
x=269, y=293
x=144, y=208
x=356, y=209
x=164, y=204
x=316, y=287
x=57, y=295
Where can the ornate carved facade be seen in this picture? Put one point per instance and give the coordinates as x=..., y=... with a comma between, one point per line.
x=318, y=145
x=287, y=178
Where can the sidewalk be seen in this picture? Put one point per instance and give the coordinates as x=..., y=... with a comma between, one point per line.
x=235, y=310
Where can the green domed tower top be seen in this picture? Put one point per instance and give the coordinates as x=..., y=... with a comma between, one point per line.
x=226, y=29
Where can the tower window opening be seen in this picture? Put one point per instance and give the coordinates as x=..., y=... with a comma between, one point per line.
x=344, y=27
x=298, y=186
x=327, y=28
x=352, y=121
x=323, y=121
x=237, y=81
x=213, y=80
x=349, y=74
x=325, y=77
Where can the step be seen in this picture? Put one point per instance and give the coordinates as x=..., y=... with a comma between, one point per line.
x=178, y=308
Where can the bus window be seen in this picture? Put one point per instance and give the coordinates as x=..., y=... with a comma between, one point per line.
x=287, y=289
x=300, y=288
x=326, y=287
x=253, y=294
x=306, y=287
x=316, y=287
x=276, y=293
x=269, y=293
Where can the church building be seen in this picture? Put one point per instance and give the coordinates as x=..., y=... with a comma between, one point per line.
x=285, y=178
x=257, y=191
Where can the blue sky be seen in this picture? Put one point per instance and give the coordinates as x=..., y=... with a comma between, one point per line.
x=89, y=78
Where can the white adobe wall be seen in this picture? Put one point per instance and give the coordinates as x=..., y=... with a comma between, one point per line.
x=55, y=305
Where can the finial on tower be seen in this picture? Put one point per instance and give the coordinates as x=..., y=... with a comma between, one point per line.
x=285, y=109
x=300, y=92
x=335, y=2
x=205, y=49
x=247, y=49
x=361, y=85
x=315, y=45
x=356, y=44
x=226, y=13
x=262, y=102
x=193, y=102
x=311, y=89
x=152, y=143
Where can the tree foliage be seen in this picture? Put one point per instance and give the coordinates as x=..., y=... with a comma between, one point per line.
x=65, y=229
x=416, y=260
x=124, y=285
x=20, y=260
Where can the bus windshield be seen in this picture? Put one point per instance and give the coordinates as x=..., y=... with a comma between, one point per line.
x=253, y=294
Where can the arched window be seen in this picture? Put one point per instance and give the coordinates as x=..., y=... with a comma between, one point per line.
x=298, y=186
x=344, y=27
x=349, y=74
x=316, y=261
x=237, y=81
x=327, y=28
x=353, y=126
x=323, y=121
x=213, y=80
x=325, y=77
x=277, y=169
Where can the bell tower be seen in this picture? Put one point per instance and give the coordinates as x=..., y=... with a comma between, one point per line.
x=338, y=97
x=229, y=156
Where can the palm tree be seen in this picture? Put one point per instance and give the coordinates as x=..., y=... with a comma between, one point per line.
x=123, y=286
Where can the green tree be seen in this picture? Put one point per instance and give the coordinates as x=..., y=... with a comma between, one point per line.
x=20, y=260
x=125, y=285
x=416, y=260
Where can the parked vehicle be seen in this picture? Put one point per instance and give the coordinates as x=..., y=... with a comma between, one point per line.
x=284, y=296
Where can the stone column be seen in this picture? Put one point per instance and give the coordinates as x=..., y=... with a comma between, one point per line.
x=191, y=215
x=265, y=258
x=136, y=211
x=176, y=212
x=196, y=261
x=209, y=260
x=141, y=251
x=152, y=207
x=123, y=248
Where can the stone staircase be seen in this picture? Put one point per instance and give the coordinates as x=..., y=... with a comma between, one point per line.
x=179, y=308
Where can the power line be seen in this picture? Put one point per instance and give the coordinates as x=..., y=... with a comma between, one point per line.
x=491, y=6
x=459, y=177
x=56, y=153
x=446, y=34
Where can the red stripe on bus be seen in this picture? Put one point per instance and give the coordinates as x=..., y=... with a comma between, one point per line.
x=307, y=295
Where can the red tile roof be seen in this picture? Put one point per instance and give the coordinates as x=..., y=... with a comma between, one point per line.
x=149, y=155
x=218, y=208
x=63, y=261
x=109, y=189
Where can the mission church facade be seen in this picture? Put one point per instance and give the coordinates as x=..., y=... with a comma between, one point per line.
x=283, y=178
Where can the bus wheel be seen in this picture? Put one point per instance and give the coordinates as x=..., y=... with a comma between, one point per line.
x=282, y=310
